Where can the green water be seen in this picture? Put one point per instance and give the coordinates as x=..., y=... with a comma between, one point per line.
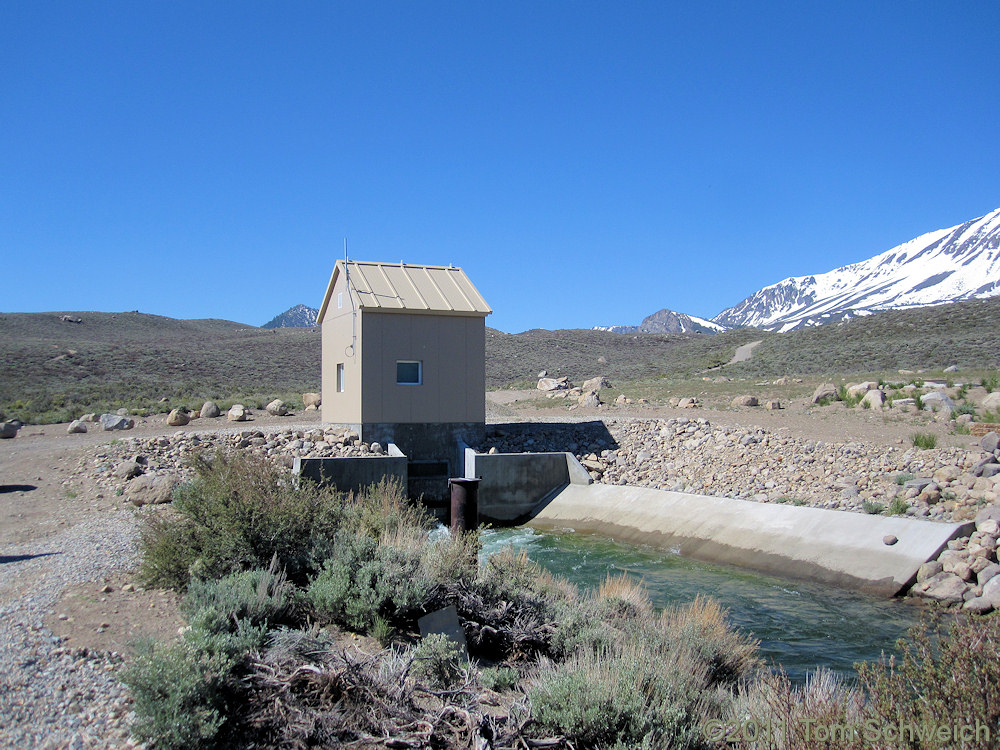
x=800, y=626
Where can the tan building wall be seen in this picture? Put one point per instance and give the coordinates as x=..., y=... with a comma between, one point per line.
x=452, y=353
x=368, y=334
x=342, y=345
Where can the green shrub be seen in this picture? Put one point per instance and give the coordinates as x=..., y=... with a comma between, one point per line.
x=991, y=382
x=363, y=580
x=179, y=693
x=903, y=478
x=232, y=615
x=964, y=408
x=872, y=507
x=239, y=513
x=924, y=440
x=898, y=507
x=628, y=697
x=948, y=674
x=439, y=661
x=499, y=679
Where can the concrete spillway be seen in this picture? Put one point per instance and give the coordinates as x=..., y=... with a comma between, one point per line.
x=836, y=547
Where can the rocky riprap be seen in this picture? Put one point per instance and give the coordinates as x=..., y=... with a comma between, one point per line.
x=966, y=573
x=122, y=463
x=692, y=455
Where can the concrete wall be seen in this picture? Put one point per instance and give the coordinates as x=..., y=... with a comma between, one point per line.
x=515, y=484
x=836, y=547
x=352, y=474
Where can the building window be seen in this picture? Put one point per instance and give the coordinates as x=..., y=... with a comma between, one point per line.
x=408, y=372
x=340, y=299
x=340, y=377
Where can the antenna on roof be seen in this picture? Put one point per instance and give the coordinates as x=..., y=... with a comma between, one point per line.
x=345, y=249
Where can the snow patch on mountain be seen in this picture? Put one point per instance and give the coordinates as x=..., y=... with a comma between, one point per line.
x=299, y=316
x=947, y=265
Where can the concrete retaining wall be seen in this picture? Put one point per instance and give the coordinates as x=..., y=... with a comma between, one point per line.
x=352, y=474
x=836, y=547
x=515, y=484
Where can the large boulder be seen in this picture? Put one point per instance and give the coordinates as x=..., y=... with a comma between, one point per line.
x=178, y=418
x=946, y=588
x=237, y=413
x=277, y=408
x=825, y=392
x=590, y=399
x=150, y=489
x=596, y=384
x=8, y=430
x=992, y=401
x=314, y=400
x=859, y=389
x=111, y=422
x=874, y=399
x=553, y=384
x=91, y=417
x=210, y=410
x=76, y=427
x=989, y=442
x=937, y=401
x=745, y=401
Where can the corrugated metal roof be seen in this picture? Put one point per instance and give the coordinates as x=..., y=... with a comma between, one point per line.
x=402, y=287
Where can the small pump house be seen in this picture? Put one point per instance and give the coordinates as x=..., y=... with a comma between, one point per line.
x=404, y=350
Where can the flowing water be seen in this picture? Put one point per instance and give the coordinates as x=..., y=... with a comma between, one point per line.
x=800, y=625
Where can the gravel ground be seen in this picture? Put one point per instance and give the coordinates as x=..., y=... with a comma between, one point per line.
x=52, y=696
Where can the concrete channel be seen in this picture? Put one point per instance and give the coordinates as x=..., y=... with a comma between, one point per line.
x=553, y=491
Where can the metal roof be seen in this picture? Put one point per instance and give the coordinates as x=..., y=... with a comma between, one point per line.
x=402, y=287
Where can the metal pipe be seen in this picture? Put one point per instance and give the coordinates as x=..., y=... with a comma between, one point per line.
x=464, y=504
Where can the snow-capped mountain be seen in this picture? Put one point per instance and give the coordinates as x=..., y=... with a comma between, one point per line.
x=299, y=316
x=948, y=265
x=668, y=321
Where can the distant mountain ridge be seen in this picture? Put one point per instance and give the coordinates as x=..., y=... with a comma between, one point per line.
x=299, y=316
x=947, y=265
x=939, y=267
x=668, y=321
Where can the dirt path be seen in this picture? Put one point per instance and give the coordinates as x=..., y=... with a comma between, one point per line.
x=743, y=353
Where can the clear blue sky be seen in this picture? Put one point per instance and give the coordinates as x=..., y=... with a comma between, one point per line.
x=586, y=162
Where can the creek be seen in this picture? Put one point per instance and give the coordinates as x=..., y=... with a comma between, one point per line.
x=801, y=626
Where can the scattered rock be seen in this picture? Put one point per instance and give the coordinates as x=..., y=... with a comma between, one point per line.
x=90, y=418
x=889, y=540
x=946, y=588
x=178, y=418
x=937, y=401
x=8, y=430
x=590, y=399
x=772, y=405
x=874, y=399
x=76, y=427
x=128, y=469
x=111, y=422
x=277, y=408
x=237, y=413
x=745, y=401
x=990, y=442
x=553, y=384
x=314, y=400
x=596, y=384
x=991, y=402
x=825, y=392
x=928, y=570
x=150, y=489
x=210, y=410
